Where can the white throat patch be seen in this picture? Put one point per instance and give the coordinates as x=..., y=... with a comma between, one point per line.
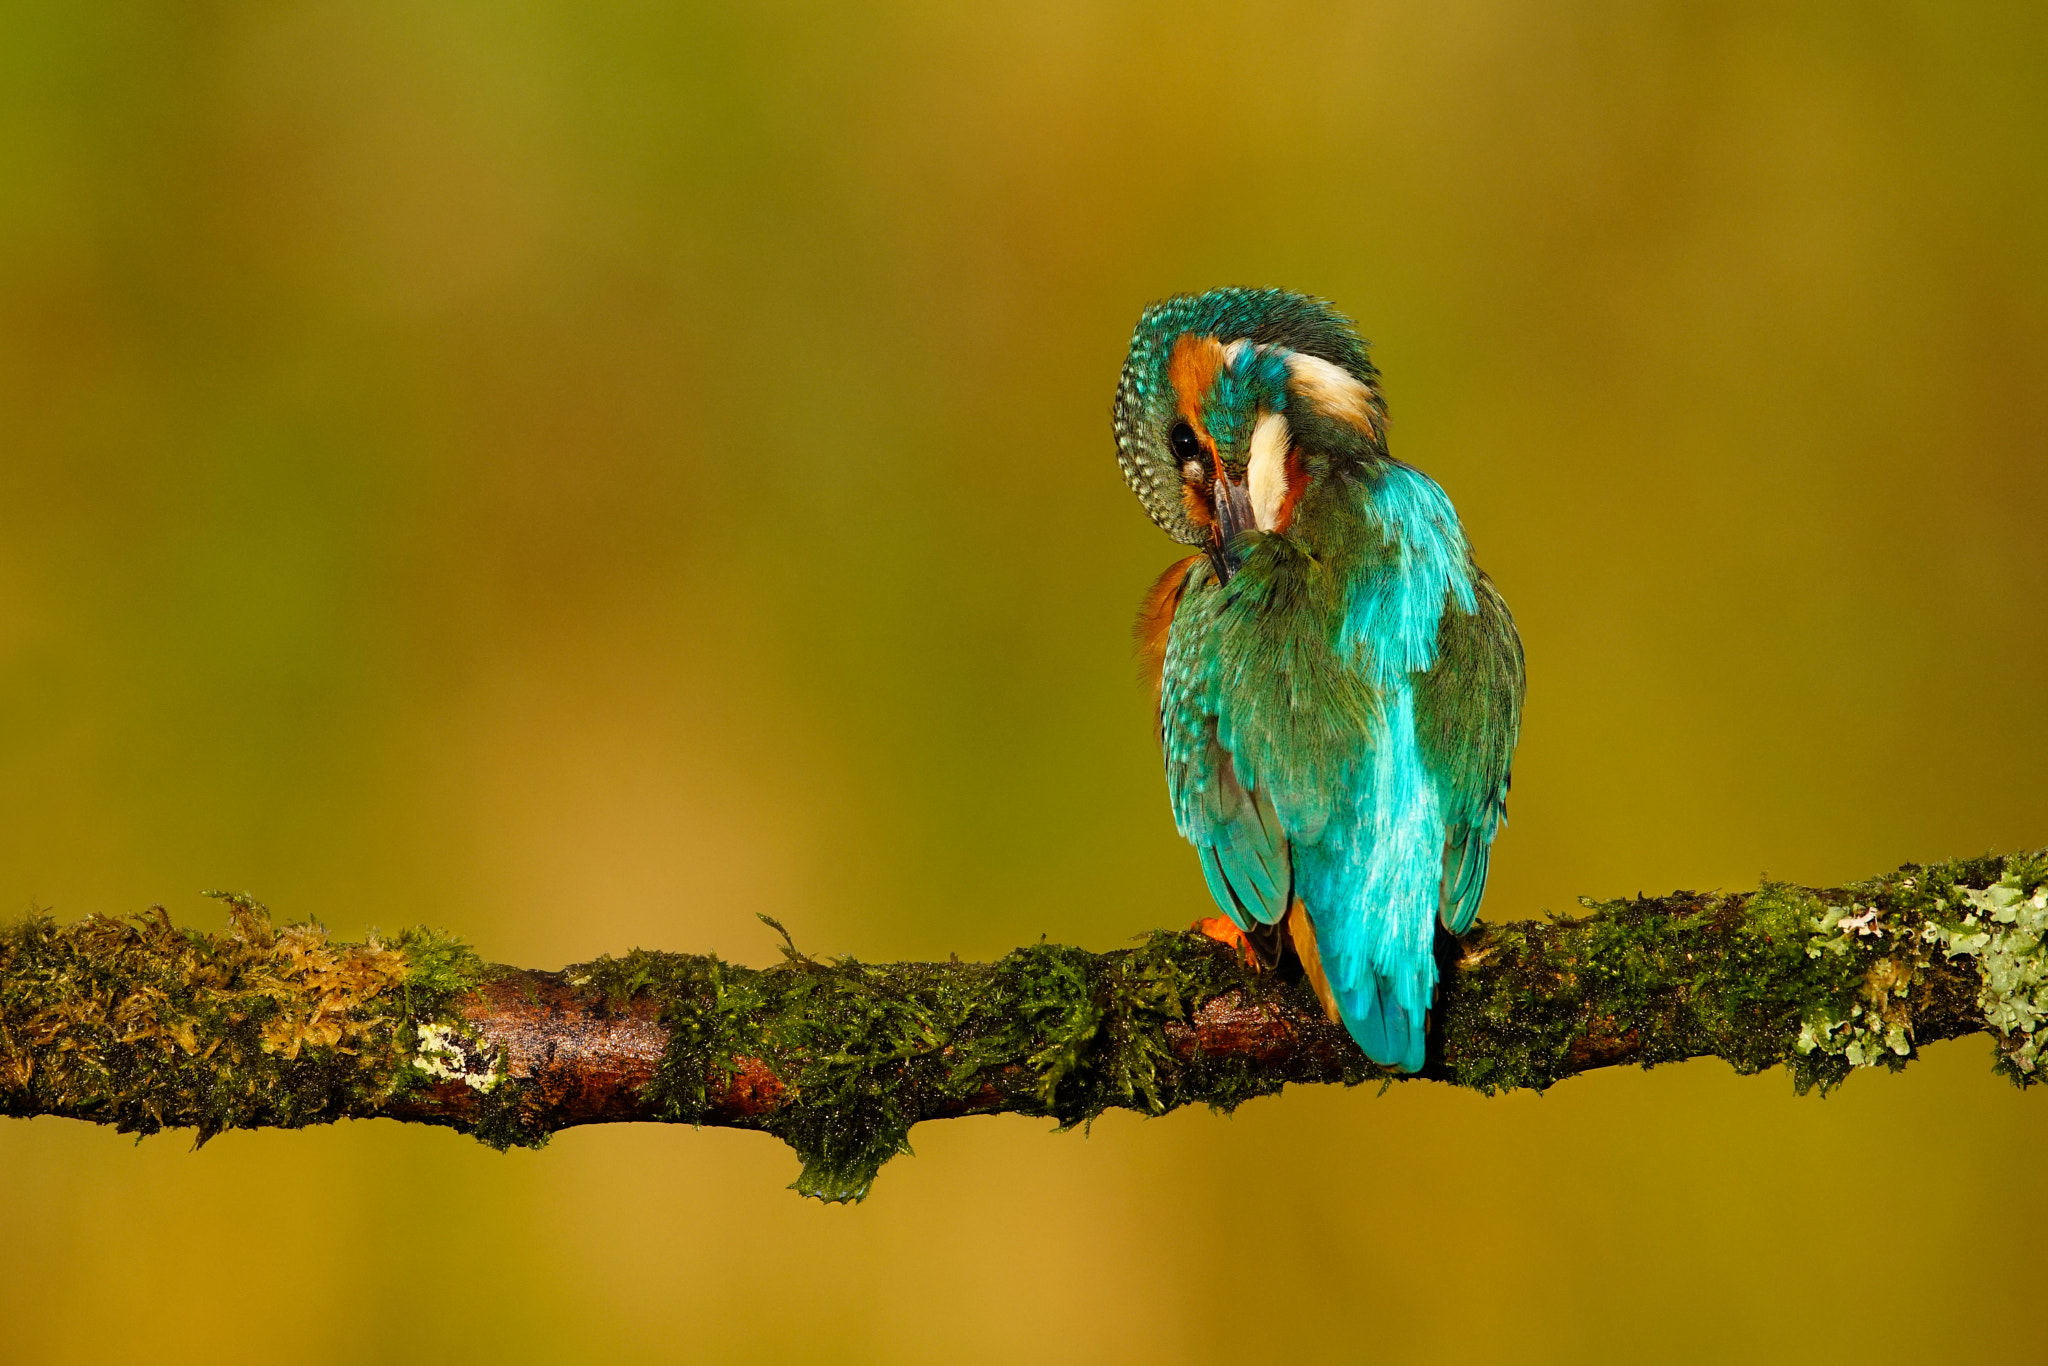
x=1266, y=470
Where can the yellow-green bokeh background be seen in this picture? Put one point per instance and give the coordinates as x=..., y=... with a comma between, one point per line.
x=582, y=474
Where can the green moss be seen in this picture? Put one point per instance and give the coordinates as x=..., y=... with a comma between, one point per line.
x=439, y=970
x=145, y=1026
x=861, y=1050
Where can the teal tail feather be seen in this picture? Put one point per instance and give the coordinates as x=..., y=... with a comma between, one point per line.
x=1393, y=1034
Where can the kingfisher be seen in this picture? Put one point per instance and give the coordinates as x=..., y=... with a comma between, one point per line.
x=1339, y=687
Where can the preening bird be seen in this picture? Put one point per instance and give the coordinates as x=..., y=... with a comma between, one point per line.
x=1339, y=686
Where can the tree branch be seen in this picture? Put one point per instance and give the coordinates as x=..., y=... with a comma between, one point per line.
x=144, y=1026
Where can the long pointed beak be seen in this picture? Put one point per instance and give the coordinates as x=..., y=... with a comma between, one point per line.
x=1233, y=515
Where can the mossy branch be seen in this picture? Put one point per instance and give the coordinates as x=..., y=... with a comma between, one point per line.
x=145, y=1026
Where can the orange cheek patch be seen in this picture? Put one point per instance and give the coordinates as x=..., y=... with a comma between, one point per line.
x=1297, y=484
x=1191, y=370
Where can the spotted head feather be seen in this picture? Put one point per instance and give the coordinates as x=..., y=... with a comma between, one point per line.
x=1255, y=330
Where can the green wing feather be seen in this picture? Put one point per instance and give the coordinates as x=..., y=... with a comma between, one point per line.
x=1468, y=712
x=1244, y=852
x=1220, y=804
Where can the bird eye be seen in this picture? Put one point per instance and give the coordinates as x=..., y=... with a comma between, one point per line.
x=1186, y=447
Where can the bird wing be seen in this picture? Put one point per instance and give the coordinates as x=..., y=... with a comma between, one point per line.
x=1219, y=806
x=1245, y=857
x=1468, y=712
x=1236, y=831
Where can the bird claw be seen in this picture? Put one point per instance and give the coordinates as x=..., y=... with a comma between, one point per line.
x=1224, y=930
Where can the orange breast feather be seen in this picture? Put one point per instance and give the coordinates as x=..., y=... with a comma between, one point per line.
x=1154, y=619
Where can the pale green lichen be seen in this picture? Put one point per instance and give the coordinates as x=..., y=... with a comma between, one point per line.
x=1878, y=1027
x=1990, y=914
x=447, y=1052
x=2002, y=927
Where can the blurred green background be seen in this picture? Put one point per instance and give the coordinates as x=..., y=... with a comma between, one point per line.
x=581, y=474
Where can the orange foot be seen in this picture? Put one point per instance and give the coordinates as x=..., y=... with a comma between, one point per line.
x=1224, y=930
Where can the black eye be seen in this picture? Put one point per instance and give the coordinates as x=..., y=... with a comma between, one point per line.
x=1186, y=446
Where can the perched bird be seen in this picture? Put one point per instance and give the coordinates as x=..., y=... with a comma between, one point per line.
x=1339, y=686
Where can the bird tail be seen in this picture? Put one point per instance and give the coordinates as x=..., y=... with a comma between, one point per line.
x=1391, y=1024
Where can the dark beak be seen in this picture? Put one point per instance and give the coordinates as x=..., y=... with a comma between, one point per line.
x=1233, y=516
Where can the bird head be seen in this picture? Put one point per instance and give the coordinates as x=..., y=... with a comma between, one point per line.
x=1238, y=409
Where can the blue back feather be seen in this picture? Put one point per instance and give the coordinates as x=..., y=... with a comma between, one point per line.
x=1378, y=841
